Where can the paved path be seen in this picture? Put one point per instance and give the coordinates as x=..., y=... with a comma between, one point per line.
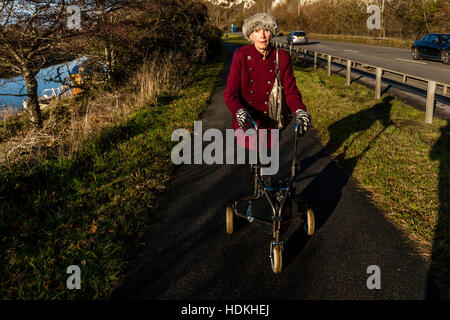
x=189, y=255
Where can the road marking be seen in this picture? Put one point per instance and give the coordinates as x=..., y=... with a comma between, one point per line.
x=407, y=60
x=352, y=51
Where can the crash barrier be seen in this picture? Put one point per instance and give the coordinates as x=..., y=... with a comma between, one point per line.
x=432, y=85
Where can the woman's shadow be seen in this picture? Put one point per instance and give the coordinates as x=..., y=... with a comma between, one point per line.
x=438, y=279
x=324, y=192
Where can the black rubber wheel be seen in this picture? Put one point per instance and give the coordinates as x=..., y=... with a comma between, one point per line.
x=445, y=57
x=415, y=54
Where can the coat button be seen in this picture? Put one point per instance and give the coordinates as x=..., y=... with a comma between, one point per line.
x=271, y=70
x=251, y=80
x=251, y=69
x=268, y=82
x=267, y=92
x=251, y=102
x=251, y=91
x=265, y=112
x=265, y=102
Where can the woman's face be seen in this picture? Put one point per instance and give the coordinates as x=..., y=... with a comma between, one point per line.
x=261, y=38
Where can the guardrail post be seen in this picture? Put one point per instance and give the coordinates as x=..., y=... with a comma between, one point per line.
x=379, y=74
x=405, y=77
x=430, y=101
x=445, y=89
x=315, y=60
x=329, y=65
x=349, y=72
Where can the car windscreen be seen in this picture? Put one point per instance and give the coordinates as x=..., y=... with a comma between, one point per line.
x=299, y=34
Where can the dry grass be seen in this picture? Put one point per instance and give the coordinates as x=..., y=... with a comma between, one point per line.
x=70, y=122
x=93, y=209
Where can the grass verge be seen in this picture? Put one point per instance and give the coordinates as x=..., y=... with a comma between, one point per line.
x=235, y=39
x=92, y=209
x=387, y=147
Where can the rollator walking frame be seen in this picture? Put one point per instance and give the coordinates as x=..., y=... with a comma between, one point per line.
x=279, y=196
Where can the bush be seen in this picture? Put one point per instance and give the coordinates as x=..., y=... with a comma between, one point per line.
x=127, y=37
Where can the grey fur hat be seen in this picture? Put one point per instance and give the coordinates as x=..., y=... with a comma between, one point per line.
x=259, y=20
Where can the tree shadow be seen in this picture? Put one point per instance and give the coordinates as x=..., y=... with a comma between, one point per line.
x=438, y=279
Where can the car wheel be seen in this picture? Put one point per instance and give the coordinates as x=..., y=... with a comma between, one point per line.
x=415, y=54
x=445, y=57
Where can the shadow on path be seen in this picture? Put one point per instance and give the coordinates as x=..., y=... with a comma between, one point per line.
x=324, y=192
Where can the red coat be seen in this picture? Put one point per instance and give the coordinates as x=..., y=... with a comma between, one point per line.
x=251, y=79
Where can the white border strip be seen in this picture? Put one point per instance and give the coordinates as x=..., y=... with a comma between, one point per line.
x=410, y=61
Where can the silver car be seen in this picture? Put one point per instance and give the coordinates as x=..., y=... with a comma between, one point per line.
x=297, y=37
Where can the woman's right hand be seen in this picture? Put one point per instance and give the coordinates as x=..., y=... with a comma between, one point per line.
x=242, y=117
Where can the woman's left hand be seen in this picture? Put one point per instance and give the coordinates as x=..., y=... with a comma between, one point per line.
x=304, y=117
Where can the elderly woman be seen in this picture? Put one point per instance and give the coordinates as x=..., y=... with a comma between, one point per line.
x=252, y=75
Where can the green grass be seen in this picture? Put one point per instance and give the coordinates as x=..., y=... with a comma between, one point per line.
x=235, y=39
x=92, y=210
x=385, y=144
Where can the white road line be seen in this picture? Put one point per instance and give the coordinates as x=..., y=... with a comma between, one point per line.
x=407, y=60
x=352, y=51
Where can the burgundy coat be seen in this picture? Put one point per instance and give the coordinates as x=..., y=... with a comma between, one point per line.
x=251, y=79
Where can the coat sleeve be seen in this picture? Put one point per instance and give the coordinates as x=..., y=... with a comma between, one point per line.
x=292, y=94
x=232, y=95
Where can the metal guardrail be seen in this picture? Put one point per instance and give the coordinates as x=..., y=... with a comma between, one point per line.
x=432, y=85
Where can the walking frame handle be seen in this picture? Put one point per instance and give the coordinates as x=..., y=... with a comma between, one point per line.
x=298, y=132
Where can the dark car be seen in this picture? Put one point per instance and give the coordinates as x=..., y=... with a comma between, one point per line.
x=432, y=46
x=297, y=37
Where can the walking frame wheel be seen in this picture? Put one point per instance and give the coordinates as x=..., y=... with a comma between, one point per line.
x=229, y=220
x=310, y=223
x=276, y=257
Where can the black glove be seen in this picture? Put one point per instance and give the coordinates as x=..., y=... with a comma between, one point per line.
x=242, y=117
x=305, y=118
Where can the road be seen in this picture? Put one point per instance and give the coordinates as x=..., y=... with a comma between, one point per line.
x=396, y=59
x=188, y=254
x=413, y=93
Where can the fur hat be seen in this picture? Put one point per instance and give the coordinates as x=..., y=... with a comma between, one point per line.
x=259, y=20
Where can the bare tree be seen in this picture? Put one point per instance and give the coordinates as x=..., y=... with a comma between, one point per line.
x=37, y=33
x=33, y=34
